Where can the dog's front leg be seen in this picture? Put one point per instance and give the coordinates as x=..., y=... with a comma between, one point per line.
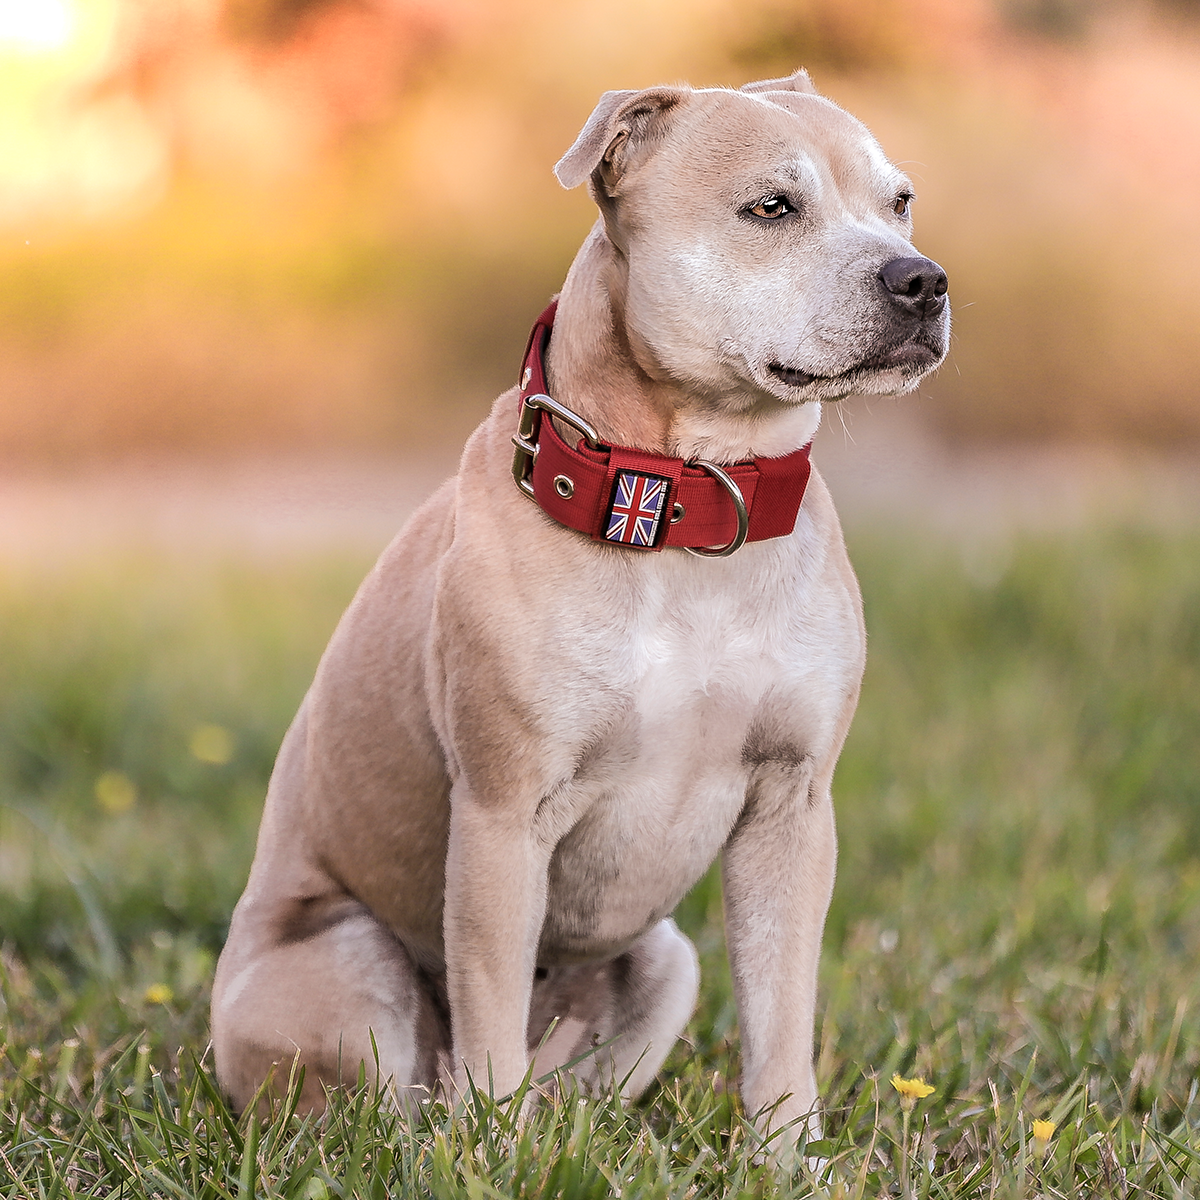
x=778, y=871
x=496, y=872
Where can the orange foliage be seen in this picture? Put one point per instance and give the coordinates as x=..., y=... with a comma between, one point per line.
x=266, y=223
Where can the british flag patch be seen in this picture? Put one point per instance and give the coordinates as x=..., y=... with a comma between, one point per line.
x=636, y=511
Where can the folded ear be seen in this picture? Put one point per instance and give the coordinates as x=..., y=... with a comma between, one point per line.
x=620, y=122
x=797, y=82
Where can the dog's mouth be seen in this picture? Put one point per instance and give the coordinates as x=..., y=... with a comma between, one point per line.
x=912, y=357
x=792, y=376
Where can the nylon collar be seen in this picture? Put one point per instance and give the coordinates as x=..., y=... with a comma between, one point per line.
x=629, y=497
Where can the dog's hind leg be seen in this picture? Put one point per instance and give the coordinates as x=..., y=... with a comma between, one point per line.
x=630, y=1011
x=319, y=978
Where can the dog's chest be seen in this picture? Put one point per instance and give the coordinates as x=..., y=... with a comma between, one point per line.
x=696, y=682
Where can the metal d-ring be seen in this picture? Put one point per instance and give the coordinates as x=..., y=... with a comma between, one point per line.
x=739, y=504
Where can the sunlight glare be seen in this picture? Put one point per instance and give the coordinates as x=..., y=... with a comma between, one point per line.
x=35, y=26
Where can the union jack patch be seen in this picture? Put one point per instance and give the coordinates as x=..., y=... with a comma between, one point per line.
x=635, y=514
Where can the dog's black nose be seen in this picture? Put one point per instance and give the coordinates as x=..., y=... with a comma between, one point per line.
x=918, y=285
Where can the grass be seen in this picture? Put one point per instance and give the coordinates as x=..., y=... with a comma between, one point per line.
x=1017, y=914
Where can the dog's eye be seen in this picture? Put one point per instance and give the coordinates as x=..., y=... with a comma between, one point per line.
x=900, y=205
x=771, y=208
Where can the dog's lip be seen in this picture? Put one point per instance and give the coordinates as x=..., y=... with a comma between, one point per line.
x=912, y=354
x=915, y=354
x=792, y=376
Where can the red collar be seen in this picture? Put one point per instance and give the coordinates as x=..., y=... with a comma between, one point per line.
x=634, y=498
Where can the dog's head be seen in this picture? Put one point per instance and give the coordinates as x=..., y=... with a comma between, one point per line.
x=765, y=243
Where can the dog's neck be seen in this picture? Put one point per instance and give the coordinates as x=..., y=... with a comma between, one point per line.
x=596, y=368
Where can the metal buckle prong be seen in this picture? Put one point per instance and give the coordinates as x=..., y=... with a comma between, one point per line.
x=739, y=504
x=527, y=449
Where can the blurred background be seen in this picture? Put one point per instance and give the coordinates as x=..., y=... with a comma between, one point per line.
x=280, y=226
x=265, y=263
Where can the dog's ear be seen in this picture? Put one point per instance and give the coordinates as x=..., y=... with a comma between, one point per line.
x=619, y=122
x=797, y=82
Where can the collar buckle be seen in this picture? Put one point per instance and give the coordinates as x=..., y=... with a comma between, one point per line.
x=525, y=441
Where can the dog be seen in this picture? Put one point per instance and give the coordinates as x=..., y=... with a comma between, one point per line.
x=625, y=640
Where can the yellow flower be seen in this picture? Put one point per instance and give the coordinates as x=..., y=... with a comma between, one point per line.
x=912, y=1089
x=158, y=993
x=1043, y=1131
x=115, y=792
x=211, y=744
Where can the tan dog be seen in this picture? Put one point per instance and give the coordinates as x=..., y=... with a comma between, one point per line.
x=524, y=745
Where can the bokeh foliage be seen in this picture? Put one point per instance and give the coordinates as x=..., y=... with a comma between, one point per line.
x=373, y=288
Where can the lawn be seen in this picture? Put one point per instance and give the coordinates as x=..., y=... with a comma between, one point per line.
x=1016, y=919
